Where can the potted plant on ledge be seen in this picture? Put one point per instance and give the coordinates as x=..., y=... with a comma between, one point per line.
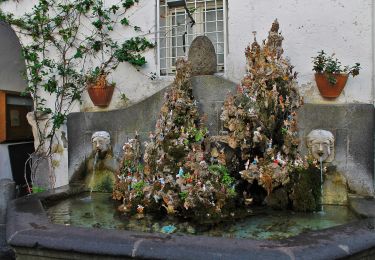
x=330, y=75
x=98, y=87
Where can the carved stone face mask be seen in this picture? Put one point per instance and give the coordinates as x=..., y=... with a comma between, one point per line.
x=101, y=142
x=321, y=145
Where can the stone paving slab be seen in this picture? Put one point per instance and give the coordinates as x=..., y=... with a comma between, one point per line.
x=6, y=252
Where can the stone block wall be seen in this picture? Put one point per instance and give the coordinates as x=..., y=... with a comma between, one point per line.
x=351, y=124
x=123, y=123
x=211, y=91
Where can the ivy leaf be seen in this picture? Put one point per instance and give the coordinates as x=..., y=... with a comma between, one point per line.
x=58, y=20
x=137, y=28
x=130, y=51
x=50, y=86
x=58, y=120
x=114, y=8
x=45, y=110
x=97, y=45
x=124, y=21
x=76, y=96
x=79, y=53
x=84, y=6
x=98, y=24
x=128, y=3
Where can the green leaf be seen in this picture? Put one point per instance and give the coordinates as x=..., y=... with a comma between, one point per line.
x=137, y=28
x=58, y=120
x=50, y=86
x=98, y=24
x=198, y=136
x=114, y=8
x=124, y=21
x=183, y=195
x=78, y=54
x=97, y=45
x=128, y=3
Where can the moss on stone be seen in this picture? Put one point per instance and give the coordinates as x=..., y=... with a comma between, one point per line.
x=305, y=189
x=102, y=181
x=106, y=185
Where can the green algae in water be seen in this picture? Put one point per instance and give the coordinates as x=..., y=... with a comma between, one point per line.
x=100, y=212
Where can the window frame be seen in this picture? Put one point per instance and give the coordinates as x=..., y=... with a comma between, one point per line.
x=200, y=28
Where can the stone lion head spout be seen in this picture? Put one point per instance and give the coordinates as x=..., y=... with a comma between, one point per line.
x=321, y=145
x=101, y=143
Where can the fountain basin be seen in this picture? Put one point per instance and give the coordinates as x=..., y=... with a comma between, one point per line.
x=33, y=236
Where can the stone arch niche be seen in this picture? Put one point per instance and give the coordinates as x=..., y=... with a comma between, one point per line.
x=16, y=139
x=11, y=62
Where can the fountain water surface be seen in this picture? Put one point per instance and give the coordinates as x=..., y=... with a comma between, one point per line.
x=260, y=223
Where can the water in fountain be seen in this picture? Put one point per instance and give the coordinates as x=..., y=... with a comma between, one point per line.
x=93, y=172
x=264, y=223
x=88, y=199
x=321, y=185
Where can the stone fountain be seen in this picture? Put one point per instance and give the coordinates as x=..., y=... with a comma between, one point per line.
x=32, y=234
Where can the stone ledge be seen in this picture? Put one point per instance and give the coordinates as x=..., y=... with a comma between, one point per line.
x=364, y=207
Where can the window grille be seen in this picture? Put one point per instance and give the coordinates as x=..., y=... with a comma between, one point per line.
x=176, y=34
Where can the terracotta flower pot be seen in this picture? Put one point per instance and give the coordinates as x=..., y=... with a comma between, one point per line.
x=328, y=90
x=100, y=91
x=101, y=96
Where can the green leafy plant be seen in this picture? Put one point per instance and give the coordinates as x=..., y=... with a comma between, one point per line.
x=329, y=65
x=36, y=189
x=222, y=171
x=138, y=187
x=124, y=98
x=140, y=167
x=232, y=192
x=197, y=134
x=183, y=195
x=186, y=176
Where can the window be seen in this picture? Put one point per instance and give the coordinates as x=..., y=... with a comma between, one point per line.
x=176, y=33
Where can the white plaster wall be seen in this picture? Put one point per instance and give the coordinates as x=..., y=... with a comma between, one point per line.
x=340, y=26
x=136, y=85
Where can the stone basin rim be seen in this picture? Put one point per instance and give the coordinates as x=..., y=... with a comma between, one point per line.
x=28, y=227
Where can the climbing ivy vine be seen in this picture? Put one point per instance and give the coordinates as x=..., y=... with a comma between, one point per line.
x=63, y=39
